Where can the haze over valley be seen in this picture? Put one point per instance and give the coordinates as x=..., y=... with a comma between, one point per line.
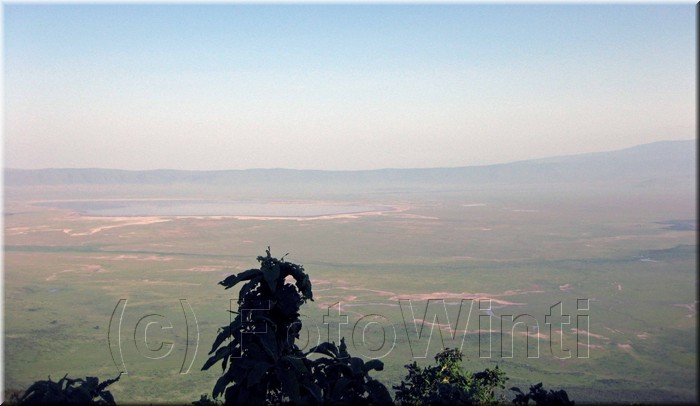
x=606, y=227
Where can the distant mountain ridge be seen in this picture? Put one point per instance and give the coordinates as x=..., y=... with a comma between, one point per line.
x=643, y=163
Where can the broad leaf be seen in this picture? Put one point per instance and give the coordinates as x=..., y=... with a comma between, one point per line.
x=374, y=364
x=339, y=388
x=297, y=363
x=257, y=373
x=232, y=280
x=315, y=391
x=325, y=348
x=220, y=353
x=378, y=394
x=357, y=366
x=290, y=385
x=220, y=385
x=271, y=276
x=226, y=332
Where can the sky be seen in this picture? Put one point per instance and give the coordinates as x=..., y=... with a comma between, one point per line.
x=340, y=87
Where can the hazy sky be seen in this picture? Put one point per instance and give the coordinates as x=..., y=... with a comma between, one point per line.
x=340, y=87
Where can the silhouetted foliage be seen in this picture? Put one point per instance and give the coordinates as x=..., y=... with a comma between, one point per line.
x=264, y=364
x=541, y=397
x=344, y=379
x=448, y=384
x=67, y=391
x=261, y=362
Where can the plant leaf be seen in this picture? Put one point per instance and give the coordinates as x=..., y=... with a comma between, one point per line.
x=315, y=391
x=290, y=385
x=232, y=280
x=226, y=332
x=325, y=348
x=357, y=366
x=220, y=353
x=373, y=364
x=257, y=373
x=339, y=388
x=220, y=385
x=378, y=393
x=297, y=363
x=271, y=276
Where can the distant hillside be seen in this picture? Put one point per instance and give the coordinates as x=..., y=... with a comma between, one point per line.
x=644, y=164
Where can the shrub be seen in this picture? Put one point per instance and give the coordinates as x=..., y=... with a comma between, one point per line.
x=447, y=383
x=541, y=397
x=345, y=380
x=261, y=362
x=67, y=391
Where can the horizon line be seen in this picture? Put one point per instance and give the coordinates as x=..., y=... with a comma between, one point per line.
x=359, y=170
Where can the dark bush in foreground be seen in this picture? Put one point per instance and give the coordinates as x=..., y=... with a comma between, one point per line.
x=541, y=397
x=261, y=362
x=448, y=384
x=345, y=380
x=67, y=391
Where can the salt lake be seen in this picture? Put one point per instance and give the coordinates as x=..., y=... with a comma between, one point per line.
x=169, y=207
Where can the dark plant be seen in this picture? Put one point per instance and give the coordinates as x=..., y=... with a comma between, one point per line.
x=261, y=362
x=67, y=391
x=541, y=397
x=345, y=380
x=447, y=383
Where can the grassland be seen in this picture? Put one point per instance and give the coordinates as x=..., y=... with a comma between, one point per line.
x=525, y=248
